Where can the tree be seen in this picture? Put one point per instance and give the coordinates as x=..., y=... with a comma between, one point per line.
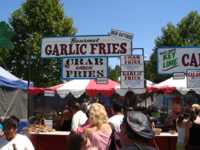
x=114, y=73
x=6, y=33
x=185, y=33
x=34, y=20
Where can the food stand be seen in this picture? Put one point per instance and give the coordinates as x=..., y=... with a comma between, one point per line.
x=50, y=140
x=60, y=140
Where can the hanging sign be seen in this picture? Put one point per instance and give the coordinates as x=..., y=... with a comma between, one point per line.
x=84, y=68
x=172, y=60
x=193, y=78
x=132, y=79
x=132, y=71
x=134, y=62
x=104, y=45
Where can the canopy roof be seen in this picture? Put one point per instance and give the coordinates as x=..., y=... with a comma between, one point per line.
x=171, y=85
x=90, y=87
x=9, y=80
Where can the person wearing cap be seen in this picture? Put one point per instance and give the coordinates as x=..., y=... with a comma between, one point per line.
x=15, y=141
x=136, y=131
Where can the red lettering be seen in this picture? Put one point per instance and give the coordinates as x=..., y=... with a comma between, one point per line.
x=123, y=47
x=63, y=49
x=102, y=49
x=81, y=49
x=193, y=61
x=48, y=50
x=115, y=48
x=93, y=48
x=55, y=50
x=184, y=57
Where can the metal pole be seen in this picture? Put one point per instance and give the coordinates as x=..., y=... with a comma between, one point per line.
x=29, y=75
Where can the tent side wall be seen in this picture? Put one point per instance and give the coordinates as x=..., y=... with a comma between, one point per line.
x=13, y=102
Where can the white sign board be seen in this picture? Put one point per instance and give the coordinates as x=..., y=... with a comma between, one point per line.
x=193, y=78
x=132, y=72
x=84, y=68
x=132, y=79
x=101, y=80
x=133, y=63
x=104, y=45
x=172, y=60
x=178, y=75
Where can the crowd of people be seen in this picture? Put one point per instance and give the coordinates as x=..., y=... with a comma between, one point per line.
x=93, y=127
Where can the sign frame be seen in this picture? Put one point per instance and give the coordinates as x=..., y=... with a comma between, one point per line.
x=142, y=49
x=129, y=46
x=177, y=48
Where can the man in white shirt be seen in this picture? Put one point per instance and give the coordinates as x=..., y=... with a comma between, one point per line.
x=79, y=117
x=118, y=116
x=15, y=141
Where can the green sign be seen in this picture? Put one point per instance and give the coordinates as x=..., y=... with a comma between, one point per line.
x=169, y=59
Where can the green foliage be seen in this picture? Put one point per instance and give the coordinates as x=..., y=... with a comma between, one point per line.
x=185, y=33
x=114, y=73
x=34, y=20
x=6, y=33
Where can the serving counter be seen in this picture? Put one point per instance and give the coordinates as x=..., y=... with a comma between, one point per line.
x=50, y=140
x=166, y=141
x=60, y=140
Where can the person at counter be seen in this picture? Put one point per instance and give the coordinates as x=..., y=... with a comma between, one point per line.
x=79, y=117
x=15, y=141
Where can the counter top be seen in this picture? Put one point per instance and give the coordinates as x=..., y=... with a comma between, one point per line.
x=168, y=134
x=51, y=133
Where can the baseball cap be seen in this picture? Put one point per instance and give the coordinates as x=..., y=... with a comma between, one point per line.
x=139, y=124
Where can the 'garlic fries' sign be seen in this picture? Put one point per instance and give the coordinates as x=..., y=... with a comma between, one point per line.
x=84, y=68
x=103, y=45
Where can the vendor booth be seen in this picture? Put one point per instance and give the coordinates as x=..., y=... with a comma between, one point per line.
x=76, y=88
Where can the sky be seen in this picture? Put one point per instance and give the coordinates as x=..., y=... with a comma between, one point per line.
x=143, y=18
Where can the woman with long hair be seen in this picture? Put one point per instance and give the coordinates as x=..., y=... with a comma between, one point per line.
x=99, y=132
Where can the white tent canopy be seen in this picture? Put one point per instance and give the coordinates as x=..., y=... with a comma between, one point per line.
x=179, y=84
x=75, y=87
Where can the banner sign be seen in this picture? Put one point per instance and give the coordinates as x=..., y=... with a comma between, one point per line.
x=121, y=34
x=178, y=75
x=172, y=60
x=134, y=63
x=84, y=68
x=104, y=45
x=132, y=79
x=101, y=80
x=193, y=78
